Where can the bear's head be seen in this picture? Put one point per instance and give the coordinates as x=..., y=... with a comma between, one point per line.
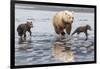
x=88, y=27
x=68, y=20
x=29, y=24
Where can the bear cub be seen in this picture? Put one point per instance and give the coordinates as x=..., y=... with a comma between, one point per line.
x=23, y=28
x=82, y=29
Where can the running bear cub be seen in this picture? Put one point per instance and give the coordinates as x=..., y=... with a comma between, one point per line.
x=23, y=28
x=82, y=29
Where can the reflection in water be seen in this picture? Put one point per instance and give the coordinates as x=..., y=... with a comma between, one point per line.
x=24, y=43
x=62, y=51
x=22, y=40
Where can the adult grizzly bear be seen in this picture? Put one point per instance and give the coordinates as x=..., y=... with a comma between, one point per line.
x=82, y=29
x=23, y=28
x=63, y=21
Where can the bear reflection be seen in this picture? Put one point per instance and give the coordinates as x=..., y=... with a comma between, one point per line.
x=62, y=52
x=23, y=41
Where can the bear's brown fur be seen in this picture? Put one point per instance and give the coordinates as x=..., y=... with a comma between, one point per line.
x=62, y=21
x=23, y=28
x=82, y=29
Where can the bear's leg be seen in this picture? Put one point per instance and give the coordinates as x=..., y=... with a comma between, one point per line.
x=56, y=30
x=74, y=32
x=30, y=32
x=68, y=28
x=86, y=35
x=63, y=33
x=20, y=34
x=24, y=35
x=78, y=32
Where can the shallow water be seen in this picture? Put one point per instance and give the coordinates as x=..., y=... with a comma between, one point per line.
x=47, y=50
x=45, y=47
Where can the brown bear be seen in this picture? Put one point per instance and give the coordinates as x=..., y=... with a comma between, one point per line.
x=82, y=29
x=62, y=21
x=23, y=28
